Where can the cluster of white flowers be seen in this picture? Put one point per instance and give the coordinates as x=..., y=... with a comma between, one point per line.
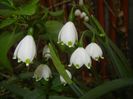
x=81, y=56
x=26, y=52
x=82, y=15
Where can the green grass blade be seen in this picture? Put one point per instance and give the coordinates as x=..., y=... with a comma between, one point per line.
x=58, y=65
x=107, y=87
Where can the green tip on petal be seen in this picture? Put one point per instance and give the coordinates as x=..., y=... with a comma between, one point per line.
x=62, y=43
x=27, y=62
x=69, y=44
x=88, y=66
x=19, y=60
x=37, y=78
x=97, y=58
x=47, y=79
x=77, y=66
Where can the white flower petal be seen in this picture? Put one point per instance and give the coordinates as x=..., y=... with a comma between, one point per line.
x=94, y=51
x=42, y=71
x=26, y=50
x=79, y=58
x=68, y=34
x=16, y=50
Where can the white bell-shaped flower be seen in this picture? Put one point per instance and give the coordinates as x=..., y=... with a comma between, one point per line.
x=94, y=51
x=63, y=80
x=25, y=50
x=42, y=71
x=83, y=14
x=86, y=18
x=46, y=52
x=68, y=34
x=77, y=12
x=79, y=58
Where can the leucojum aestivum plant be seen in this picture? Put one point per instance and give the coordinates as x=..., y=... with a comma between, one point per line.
x=52, y=68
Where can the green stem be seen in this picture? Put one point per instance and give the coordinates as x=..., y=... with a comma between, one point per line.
x=93, y=37
x=30, y=31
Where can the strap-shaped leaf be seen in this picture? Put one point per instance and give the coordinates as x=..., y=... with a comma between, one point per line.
x=6, y=41
x=7, y=22
x=108, y=87
x=28, y=9
x=58, y=65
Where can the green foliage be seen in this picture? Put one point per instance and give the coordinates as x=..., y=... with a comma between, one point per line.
x=28, y=9
x=60, y=68
x=6, y=42
x=108, y=87
x=11, y=10
x=56, y=13
x=52, y=29
x=7, y=22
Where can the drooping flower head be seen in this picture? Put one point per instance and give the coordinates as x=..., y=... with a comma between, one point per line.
x=94, y=51
x=63, y=80
x=68, y=34
x=46, y=52
x=25, y=50
x=42, y=71
x=79, y=58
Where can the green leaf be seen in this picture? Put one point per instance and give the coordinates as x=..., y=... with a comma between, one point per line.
x=61, y=69
x=52, y=29
x=71, y=15
x=59, y=66
x=7, y=22
x=60, y=97
x=35, y=94
x=56, y=13
x=107, y=87
x=28, y=9
x=26, y=75
x=6, y=41
x=17, y=90
x=6, y=12
x=121, y=56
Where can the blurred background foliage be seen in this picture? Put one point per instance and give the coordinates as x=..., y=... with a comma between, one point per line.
x=110, y=78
